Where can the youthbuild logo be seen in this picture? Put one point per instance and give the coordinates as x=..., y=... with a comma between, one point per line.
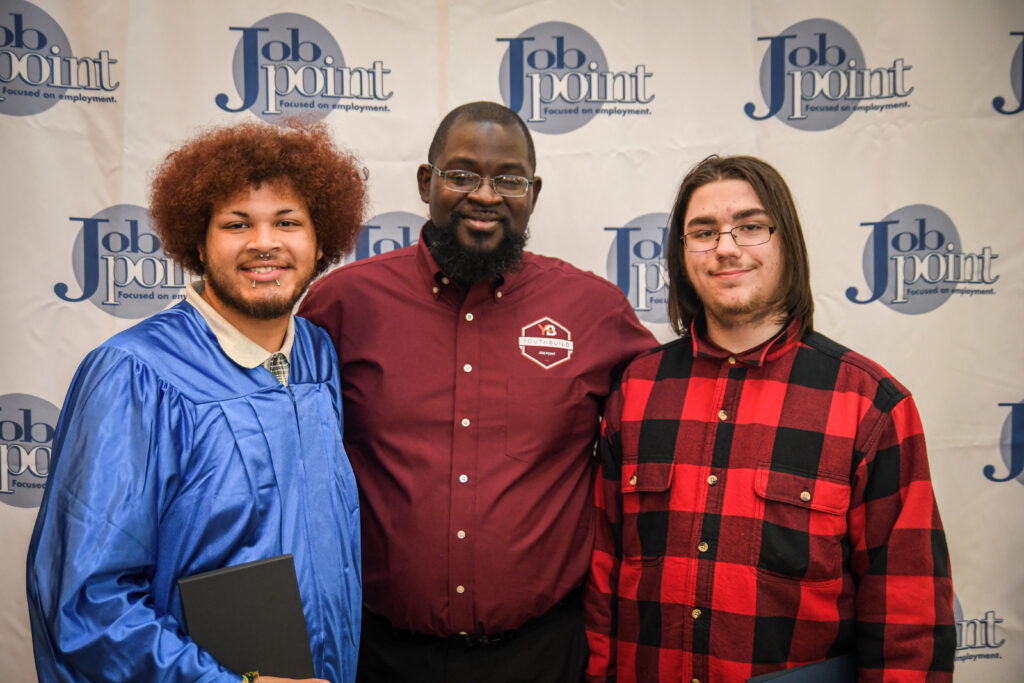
x=814, y=76
x=26, y=440
x=386, y=232
x=290, y=65
x=120, y=266
x=636, y=263
x=913, y=262
x=555, y=75
x=1016, y=80
x=977, y=638
x=39, y=69
x=1011, y=445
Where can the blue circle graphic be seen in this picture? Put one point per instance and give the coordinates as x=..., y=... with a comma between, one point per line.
x=298, y=67
x=122, y=262
x=26, y=439
x=548, y=75
x=819, y=56
x=636, y=263
x=1017, y=72
x=386, y=232
x=35, y=56
x=1008, y=444
x=923, y=259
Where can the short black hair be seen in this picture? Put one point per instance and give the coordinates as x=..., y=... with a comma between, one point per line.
x=491, y=112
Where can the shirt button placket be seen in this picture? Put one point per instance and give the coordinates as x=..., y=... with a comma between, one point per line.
x=465, y=456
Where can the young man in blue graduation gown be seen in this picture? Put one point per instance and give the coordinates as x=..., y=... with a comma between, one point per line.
x=208, y=435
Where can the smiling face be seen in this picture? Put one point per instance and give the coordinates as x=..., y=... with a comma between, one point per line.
x=271, y=220
x=738, y=286
x=482, y=219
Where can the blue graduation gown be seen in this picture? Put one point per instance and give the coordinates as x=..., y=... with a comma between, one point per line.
x=169, y=459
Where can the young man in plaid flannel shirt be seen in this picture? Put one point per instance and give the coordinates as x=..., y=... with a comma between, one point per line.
x=764, y=496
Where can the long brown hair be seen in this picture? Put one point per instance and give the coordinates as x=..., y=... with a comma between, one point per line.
x=771, y=189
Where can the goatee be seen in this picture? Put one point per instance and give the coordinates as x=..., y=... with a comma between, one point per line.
x=260, y=309
x=467, y=265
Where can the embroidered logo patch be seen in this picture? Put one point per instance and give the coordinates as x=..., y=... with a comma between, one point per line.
x=546, y=342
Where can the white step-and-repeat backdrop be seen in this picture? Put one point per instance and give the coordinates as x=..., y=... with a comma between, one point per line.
x=899, y=126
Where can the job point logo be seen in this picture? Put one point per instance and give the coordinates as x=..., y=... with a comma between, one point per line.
x=913, y=262
x=120, y=266
x=1011, y=446
x=814, y=76
x=289, y=65
x=556, y=77
x=26, y=439
x=1016, y=80
x=636, y=263
x=386, y=232
x=977, y=638
x=38, y=67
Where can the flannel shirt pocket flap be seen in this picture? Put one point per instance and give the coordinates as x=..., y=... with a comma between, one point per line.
x=646, y=477
x=823, y=492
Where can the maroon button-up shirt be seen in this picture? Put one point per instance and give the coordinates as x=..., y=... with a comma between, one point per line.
x=470, y=422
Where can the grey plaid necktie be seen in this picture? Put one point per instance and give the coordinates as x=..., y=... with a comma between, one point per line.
x=278, y=365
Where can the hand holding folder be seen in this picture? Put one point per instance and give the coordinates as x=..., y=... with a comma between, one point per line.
x=249, y=617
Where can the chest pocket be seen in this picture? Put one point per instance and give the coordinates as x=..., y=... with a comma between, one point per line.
x=545, y=415
x=646, y=490
x=803, y=527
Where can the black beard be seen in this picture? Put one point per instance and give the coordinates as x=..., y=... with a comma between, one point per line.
x=467, y=265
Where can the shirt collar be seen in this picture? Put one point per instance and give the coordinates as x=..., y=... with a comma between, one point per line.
x=756, y=356
x=437, y=281
x=236, y=346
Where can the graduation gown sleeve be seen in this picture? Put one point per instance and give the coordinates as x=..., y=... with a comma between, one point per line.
x=93, y=552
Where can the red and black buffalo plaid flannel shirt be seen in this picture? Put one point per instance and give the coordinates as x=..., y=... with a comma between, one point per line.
x=764, y=510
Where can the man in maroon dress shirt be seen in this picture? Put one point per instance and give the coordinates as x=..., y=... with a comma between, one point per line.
x=473, y=375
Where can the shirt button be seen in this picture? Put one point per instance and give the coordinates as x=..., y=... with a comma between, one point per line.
x=702, y=546
x=460, y=589
x=469, y=317
x=460, y=533
x=694, y=680
x=805, y=496
x=712, y=480
x=695, y=614
x=463, y=478
x=465, y=422
x=497, y=295
x=435, y=290
x=445, y=281
x=722, y=415
x=632, y=480
x=732, y=360
x=467, y=367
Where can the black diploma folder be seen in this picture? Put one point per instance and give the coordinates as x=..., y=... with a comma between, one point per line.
x=833, y=670
x=249, y=617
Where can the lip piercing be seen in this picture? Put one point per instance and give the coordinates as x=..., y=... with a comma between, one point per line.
x=254, y=284
x=278, y=282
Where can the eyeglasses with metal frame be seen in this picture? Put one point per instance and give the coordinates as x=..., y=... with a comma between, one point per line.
x=747, y=235
x=458, y=180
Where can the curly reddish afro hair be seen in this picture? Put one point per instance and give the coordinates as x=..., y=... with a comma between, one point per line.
x=221, y=162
